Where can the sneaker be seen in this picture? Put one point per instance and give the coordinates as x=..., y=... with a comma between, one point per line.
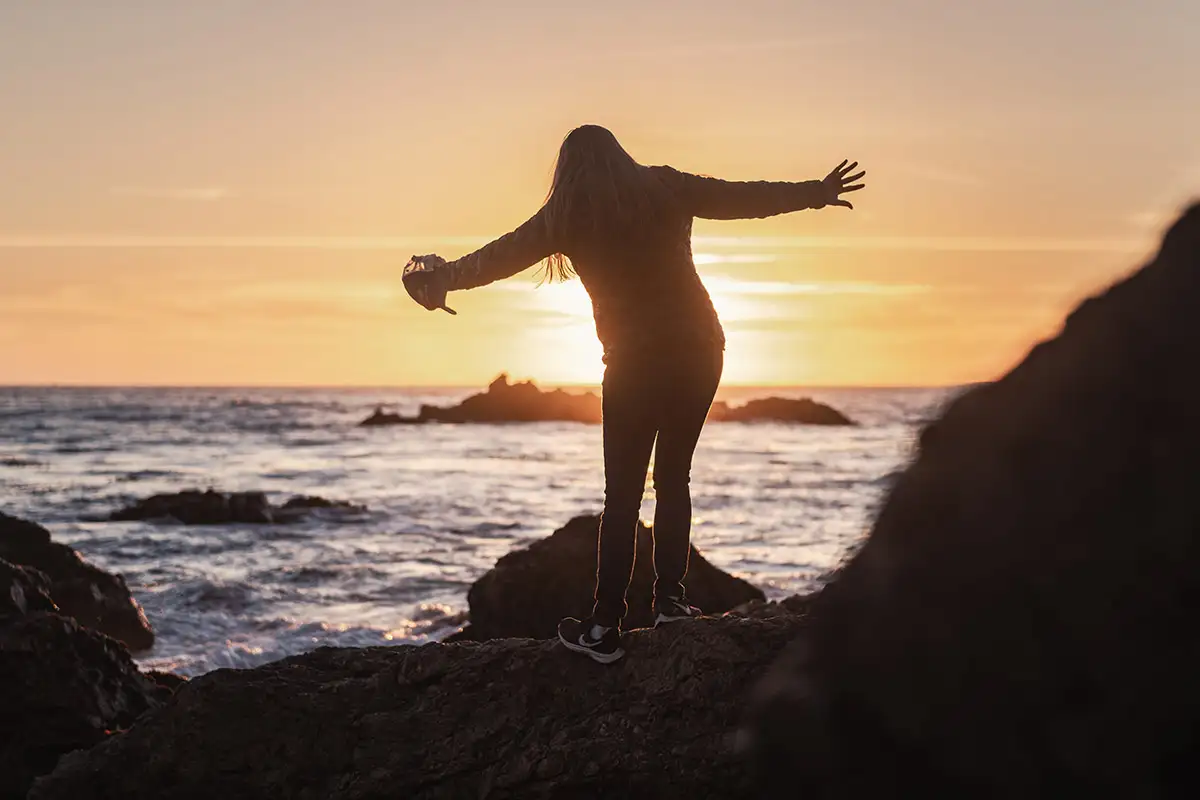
x=597, y=642
x=673, y=609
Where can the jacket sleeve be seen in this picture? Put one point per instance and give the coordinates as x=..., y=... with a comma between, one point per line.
x=711, y=198
x=502, y=258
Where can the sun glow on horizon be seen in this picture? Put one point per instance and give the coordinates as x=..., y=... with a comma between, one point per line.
x=569, y=353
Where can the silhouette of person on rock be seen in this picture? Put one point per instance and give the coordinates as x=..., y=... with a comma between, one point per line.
x=625, y=229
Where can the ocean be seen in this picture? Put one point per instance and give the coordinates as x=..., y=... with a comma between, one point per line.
x=776, y=504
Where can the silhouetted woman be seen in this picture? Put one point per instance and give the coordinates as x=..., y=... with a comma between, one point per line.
x=626, y=230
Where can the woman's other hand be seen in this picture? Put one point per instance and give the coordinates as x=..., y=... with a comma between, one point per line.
x=839, y=182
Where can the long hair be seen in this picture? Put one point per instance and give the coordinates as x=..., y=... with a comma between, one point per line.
x=597, y=187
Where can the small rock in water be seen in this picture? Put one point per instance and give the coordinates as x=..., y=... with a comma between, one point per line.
x=804, y=411
x=193, y=507
x=303, y=502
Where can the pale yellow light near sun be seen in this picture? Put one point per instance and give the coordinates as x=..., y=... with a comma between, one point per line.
x=575, y=357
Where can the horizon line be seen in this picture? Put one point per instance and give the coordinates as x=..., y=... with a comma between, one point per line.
x=456, y=386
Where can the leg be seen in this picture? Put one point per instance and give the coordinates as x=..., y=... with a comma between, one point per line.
x=693, y=385
x=629, y=430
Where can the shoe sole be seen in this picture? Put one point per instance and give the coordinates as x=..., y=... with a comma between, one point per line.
x=663, y=619
x=599, y=658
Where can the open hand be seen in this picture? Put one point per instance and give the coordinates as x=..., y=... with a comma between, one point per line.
x=839, y=182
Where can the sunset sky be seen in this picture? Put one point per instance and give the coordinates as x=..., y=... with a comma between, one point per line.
x=225, y=192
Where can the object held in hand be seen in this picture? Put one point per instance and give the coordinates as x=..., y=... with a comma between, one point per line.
x=425, y=282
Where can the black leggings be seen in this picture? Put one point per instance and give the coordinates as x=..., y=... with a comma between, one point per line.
x=649, y=396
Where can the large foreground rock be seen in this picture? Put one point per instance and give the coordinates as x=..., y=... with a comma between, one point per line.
x=525, y=402
x=530, y=590
x=210, y=507
x=504, y=719
x=61, y=687
x=97, y=599
x=1022, y=621
x=23, y=590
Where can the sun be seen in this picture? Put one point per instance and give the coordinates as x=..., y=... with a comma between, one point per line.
x=568, y=351
x=565, y=350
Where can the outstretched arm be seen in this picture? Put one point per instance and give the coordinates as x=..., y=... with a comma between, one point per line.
x=502, y=258
x=711, y=198
x=428, y=278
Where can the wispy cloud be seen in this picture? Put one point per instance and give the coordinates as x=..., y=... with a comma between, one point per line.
x=134, y=241
x=205, y=194
x=953, y=244
x=727, y=285
x=965, y=244
x=703, y=259
x=936, y=174
x=675, y=50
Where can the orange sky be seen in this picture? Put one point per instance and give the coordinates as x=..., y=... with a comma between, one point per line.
x=224, y=193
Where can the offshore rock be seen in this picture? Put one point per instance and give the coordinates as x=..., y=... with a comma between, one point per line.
x=194, y=507
x=525, y=402
x=779, y=409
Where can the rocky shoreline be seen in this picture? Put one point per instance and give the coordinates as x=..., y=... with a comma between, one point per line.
x=505, y=718
x=64, y=684
x=69, y=688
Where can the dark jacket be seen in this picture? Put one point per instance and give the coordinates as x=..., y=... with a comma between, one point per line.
x=642, y=281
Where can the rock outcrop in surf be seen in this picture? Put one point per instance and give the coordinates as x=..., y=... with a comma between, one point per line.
x=210, y=507
x=525, y=402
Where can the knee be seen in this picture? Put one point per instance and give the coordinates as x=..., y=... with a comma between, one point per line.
x=671, y=482
x=623, y=501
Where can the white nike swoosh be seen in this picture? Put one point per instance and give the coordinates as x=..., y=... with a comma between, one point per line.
x=582, y=643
